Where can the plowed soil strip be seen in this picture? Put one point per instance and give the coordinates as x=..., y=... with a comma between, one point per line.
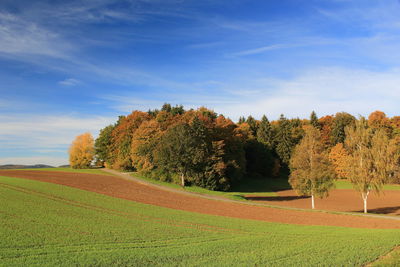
x=117, y=187
x=348, y=200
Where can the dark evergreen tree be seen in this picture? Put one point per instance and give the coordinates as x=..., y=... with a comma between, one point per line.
x=314, y=120
x=265, y=134
x=341, y=120
x=253, y=125
x=102, y=145
x=284, y=140
x=259, y=160
x=177, y=110
x=166, y=107
x=241, y=120
x=153, y=112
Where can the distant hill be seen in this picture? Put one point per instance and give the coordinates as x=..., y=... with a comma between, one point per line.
x=15, y=166
x=64, y=166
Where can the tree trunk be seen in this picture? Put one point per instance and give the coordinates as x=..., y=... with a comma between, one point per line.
x=182, y=179
x=365, y=197
x=312, y=202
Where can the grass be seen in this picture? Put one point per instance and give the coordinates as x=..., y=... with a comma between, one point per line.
x=45, y=224
x=247, y=187
x=344, y=184
x=90, y=171
x=391, y=259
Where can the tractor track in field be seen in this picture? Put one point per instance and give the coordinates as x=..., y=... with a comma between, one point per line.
x=137, y=190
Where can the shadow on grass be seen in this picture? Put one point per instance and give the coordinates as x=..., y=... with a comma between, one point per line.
x=275, y=198
x=258, y=185
x=385, y=210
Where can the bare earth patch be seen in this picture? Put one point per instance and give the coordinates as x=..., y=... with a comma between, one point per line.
x=388, y=202
x=118, y=187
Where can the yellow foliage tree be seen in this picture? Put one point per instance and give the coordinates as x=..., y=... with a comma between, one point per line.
x=372, y=158
x=311, y=172
x=81, y=152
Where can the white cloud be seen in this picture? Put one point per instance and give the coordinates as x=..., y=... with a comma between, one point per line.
x=46, y=137
x=325, y=90
x=262, y=49
x=46, y=132
x=53, y=161
x=69, y=82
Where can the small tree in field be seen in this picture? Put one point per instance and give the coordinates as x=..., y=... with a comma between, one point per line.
x=81, y=152
x=311, y=172
x=372, y=158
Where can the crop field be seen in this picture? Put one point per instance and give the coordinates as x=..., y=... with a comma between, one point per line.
x=46, y=224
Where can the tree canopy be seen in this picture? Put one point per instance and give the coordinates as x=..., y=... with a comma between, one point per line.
x=311, y=172
x=372, y=158
x=218, y=152
x=81, y=151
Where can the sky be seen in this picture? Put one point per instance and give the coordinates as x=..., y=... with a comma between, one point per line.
x=69, y=67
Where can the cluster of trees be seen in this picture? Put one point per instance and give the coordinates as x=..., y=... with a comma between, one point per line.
x=198, y=146
x=368, y=156
x=203, y=148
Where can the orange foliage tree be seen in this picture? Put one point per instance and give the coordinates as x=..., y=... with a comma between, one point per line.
x=378, y=119
x=81, y=152
x=122, y=139
x=326, y=124
x=338, y=156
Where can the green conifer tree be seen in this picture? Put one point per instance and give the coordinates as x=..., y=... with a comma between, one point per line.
x=314, y=120
x=265, y=134
x=284, y=141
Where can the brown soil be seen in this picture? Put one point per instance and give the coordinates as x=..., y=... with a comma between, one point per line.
x=118, y=187
x=388, y=202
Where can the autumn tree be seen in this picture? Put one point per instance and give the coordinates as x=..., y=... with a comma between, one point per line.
x=326, y=124
x=378, y=119
x=311, y=172
x=81, y=152
x=122, y=138
x=234, y=154
x=338, y=156
x=395, y=122
x=372, y=158
x=144, y=142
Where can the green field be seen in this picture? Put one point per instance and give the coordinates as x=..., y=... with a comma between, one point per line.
x=344, y=184
x=46, y=224
x=252, y=187
x=247, y=187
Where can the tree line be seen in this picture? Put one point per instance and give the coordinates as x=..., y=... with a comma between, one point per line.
x=203, y=148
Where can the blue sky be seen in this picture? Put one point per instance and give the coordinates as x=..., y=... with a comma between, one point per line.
x=67, y=67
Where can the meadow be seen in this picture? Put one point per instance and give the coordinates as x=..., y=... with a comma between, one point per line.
x=46, y=224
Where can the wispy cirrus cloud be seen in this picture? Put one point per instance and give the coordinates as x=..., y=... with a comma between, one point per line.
x=19, y=36
x=46, y=131
x=263, y=49
x=69, y=82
